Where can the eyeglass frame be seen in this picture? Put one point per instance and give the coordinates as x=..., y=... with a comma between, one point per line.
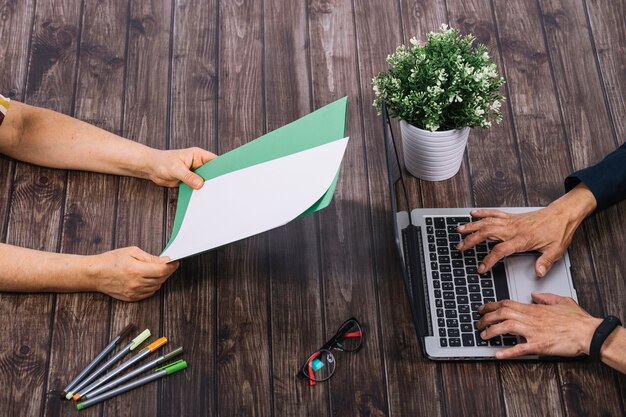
x=332, y=343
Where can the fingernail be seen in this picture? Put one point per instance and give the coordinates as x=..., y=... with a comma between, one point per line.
x=197, y=183
x=461, y=227
x=481, y=268
x=480, y=309
x=165, y=258
x=483, y=335
x=459, y=246
x=499, y=354
x=541, y=270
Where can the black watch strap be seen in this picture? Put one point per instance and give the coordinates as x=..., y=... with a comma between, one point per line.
x=602, y=332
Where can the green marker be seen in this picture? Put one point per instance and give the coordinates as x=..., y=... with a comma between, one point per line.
x=158, y=373
x=141, y=337
x=132, y=374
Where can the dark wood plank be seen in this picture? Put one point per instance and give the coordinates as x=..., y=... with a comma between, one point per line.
x=89, y=217
x=242, y=270
x=295, y=295
x=545, y=162
x=349, y=277
x=588, y=390
x=189, y=306
x=15, y=33
x=608, y=30
x=35, y=212
x=458, y=401
x=412, y=380
x=141, y=204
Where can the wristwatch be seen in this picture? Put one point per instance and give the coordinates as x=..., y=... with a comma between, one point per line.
x=599, y=336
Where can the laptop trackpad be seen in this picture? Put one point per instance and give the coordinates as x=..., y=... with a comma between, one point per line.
x=522, y=280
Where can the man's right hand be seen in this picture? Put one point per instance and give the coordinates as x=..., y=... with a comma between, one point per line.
x=129, y=274
x=549, y=230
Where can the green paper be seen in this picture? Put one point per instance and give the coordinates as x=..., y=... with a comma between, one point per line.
x=323, y=126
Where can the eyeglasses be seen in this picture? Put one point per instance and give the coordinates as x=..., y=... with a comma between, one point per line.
x=321, y=365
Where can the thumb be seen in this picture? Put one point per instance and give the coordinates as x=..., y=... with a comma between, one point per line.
x=546, y=260
x=545, y=298
x=143, y=256
x=193, y=180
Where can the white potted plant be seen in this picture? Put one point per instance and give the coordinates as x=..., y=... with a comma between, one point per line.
x=439, y=90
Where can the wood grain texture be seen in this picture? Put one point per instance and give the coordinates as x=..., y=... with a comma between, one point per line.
x=586, y=120
x=244, y=387
x=36, y=208
x=89, y=215
x=607, y=20
x=15, y=32
x=189, y=298
x=216, y=74
x=544, y=161
x=608, y=31
x=349, y=276
x=458, y=401
x=141, y=204
x=412, y=380
x=294, y=260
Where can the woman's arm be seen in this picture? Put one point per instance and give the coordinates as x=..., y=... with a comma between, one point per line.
x=44, y=137
x=128, y=274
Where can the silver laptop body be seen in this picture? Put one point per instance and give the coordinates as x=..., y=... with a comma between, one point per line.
x=443, y=288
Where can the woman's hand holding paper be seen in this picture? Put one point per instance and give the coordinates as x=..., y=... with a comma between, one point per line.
x=167, y=168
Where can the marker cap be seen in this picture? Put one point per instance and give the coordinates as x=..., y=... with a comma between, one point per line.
x=141, y=337
x=126, y=330
x=169, y=369
x=170, y=355
x=157, y=344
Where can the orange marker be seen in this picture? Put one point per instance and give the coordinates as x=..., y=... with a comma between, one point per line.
x=139, y=356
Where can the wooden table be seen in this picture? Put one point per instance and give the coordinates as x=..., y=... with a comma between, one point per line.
x=217, y=74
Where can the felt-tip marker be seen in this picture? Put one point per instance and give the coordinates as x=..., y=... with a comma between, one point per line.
x=139, y=356
x=134, y=344
x=158, y=373
x=132, y=374
x=107, y=349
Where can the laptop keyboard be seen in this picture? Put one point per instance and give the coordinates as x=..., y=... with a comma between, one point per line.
x=459, y=289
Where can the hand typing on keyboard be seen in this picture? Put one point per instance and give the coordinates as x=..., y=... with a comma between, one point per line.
x=549, y=230
x=555, y=326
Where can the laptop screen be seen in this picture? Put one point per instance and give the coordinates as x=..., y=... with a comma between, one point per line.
x=397, y=187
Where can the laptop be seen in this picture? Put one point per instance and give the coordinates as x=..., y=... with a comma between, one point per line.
x=442, y=283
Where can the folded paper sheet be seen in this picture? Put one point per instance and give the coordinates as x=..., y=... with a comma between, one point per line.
x=263, y=184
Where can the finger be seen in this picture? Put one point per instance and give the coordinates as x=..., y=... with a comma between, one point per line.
x=498, y=252
x=500, y=315
x=193, y=180
x=547, y=298
x=482, y=213
x=547, y=259
x=201, y=157
x=487, y=232
x=142, y=295
x=506, y=327
x=521, y=349
x=490, y=307
x=144, y=256
x=158, y=270
x=480, y=224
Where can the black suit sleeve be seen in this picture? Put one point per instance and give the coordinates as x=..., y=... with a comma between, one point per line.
x=606, y=179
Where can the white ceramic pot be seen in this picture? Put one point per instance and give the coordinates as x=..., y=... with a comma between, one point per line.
x=433, y=156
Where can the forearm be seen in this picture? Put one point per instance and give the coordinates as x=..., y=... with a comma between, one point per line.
x=613, y=352
x=55, y=140
x=27, y=270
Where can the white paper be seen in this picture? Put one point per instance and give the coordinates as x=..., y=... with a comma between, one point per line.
x=253, y=200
